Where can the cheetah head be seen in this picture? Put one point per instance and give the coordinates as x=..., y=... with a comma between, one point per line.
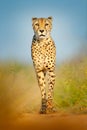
x=42, y=27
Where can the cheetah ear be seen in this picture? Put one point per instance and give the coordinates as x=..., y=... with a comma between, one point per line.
x=50, y=18
x=33, y=19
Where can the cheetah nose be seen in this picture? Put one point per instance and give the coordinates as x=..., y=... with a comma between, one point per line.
x=41, y=31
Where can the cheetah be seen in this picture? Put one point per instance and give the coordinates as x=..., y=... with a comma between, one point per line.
x=43, y=52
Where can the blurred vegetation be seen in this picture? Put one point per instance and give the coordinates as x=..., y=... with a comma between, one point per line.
x=71, y=86
x=19, y=90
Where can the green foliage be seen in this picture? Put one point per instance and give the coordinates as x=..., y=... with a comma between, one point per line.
x=19, y=88
x=71, y=86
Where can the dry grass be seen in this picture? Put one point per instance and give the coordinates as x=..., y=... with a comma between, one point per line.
x=19, y=91
x=71, y=86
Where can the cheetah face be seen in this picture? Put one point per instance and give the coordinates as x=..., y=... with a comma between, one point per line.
x=42, y=27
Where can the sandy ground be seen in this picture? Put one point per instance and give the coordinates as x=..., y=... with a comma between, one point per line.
x=35, y=121
x=20, y=97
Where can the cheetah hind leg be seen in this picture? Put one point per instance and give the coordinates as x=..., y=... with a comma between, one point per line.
x=50, y=106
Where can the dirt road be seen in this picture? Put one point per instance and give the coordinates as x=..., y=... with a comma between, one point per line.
x=55, y=121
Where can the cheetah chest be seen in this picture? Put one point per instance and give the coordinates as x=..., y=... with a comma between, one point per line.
x=43, y=54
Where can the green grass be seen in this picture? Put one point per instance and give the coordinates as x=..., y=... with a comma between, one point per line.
x=71, y=86
x=19, y=90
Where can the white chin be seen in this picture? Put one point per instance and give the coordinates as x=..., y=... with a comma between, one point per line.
x=41, y=37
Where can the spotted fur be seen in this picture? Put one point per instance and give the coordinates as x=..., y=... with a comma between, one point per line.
x=43, y=53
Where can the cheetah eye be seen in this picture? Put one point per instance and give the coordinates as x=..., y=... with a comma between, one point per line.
x=37, y=24
x=46, y=24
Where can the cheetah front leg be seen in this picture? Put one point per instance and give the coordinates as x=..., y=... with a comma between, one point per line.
x=51, y=82
x=41, y=82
